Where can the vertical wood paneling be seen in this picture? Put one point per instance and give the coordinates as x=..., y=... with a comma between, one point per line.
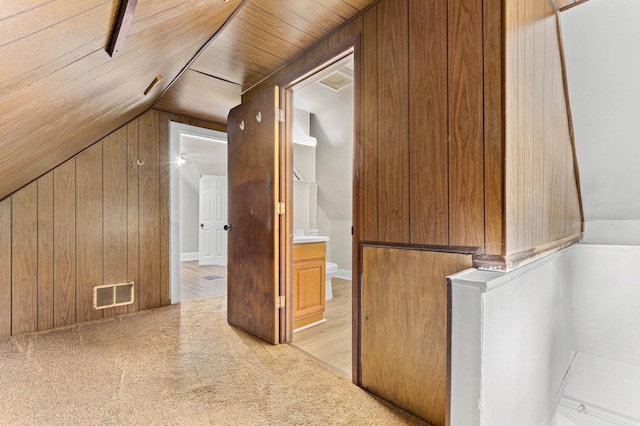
x=404, y=327
x=493, y=129
x=369, y=127
x=24, y=260
x=149, y=213
x=5, y=267
x=543, y=205
x=393, y=121
x=537, y=154
x=45, y=252
x=466, y=171
x=428, y=127
x=89, y=272
x=64, y=237
x=133, y=247
x=114, y=207
x=163, y=145
x=81, y=225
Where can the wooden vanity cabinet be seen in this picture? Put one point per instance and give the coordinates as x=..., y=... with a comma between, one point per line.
x=308, y=283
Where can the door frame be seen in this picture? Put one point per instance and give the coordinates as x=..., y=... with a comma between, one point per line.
x=177, y=128
x=307, y=74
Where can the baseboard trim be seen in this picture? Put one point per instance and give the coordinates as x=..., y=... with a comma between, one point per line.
x=345, y=274
x=186, y=257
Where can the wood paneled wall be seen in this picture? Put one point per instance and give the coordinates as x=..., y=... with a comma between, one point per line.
x=99, y=218
x=542, y=195
x=421, y=115
x=441, y=162
x=405, y=326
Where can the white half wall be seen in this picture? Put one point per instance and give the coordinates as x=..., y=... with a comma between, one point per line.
x=511, y=343
x=606, y=301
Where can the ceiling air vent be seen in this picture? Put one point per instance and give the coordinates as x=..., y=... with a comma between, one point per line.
x=110, y=295
x=339, y=79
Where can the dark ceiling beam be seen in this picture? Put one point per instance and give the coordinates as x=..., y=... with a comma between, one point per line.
x=121, y=28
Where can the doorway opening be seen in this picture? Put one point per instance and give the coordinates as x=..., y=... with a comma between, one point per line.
x=322, y=107
x=198, y=212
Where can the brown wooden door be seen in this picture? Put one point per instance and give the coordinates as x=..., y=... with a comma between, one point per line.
x=253, y=274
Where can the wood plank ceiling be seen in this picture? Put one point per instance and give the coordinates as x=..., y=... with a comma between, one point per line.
x=261, y=38
x=60, y=91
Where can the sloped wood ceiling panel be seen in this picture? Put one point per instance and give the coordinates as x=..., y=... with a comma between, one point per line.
x=59, y=89
x=261, y=38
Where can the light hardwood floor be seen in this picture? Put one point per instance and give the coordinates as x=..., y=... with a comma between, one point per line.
x=202, y=281
x=329, y=342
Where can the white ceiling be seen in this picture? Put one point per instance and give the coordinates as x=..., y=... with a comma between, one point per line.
x=208, y=153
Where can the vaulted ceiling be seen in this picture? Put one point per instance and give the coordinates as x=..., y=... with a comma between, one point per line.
x=60, y=91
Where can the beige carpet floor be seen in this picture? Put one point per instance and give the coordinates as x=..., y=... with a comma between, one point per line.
x=181, y=364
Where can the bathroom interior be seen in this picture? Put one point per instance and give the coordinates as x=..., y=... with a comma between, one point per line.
x=322, y=214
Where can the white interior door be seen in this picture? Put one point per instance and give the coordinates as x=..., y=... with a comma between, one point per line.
x=213, y=217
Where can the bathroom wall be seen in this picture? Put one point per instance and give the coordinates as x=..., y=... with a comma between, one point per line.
x=511, y=342
x=606, y=301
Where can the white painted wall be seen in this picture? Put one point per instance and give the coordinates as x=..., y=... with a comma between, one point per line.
x=601, y=39
x=331, y=123
x=606, y=301
x=511, y=343
x=189, y=226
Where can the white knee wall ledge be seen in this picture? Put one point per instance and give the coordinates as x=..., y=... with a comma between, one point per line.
x=514, y=335
x=511, y=343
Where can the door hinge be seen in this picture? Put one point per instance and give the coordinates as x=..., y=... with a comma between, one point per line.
x=280, y=208
x=279, y=115
x=280, y=302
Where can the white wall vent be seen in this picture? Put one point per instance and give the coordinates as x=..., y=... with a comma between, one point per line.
x=110, y=295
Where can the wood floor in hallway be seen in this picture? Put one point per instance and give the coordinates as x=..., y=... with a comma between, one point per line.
x=329, y=342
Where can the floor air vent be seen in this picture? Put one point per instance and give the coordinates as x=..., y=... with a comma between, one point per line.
x=110, y=295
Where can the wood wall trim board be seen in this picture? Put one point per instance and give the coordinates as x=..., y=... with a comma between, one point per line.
x=570, y=5
x=576, y=169
x=424, y=247
x=428, y=123
x=45, y=252
x=513, y=261
x=24, y=260
x=133, y=212
x=89, y=237
x=121, y=27
x=149, y=213
x=369, y=129
x=494, y=127
x=466, y=126
x=114, y=206
x=393, y=121
x=192, y=121
x=64, y=235
x=5, y=267
x=165, y=207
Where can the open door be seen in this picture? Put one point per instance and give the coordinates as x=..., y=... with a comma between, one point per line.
x=253, y=238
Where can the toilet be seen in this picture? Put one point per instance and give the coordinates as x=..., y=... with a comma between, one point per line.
x=330, y=271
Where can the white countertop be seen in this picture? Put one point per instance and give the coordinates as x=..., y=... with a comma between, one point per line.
x=309, y=239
